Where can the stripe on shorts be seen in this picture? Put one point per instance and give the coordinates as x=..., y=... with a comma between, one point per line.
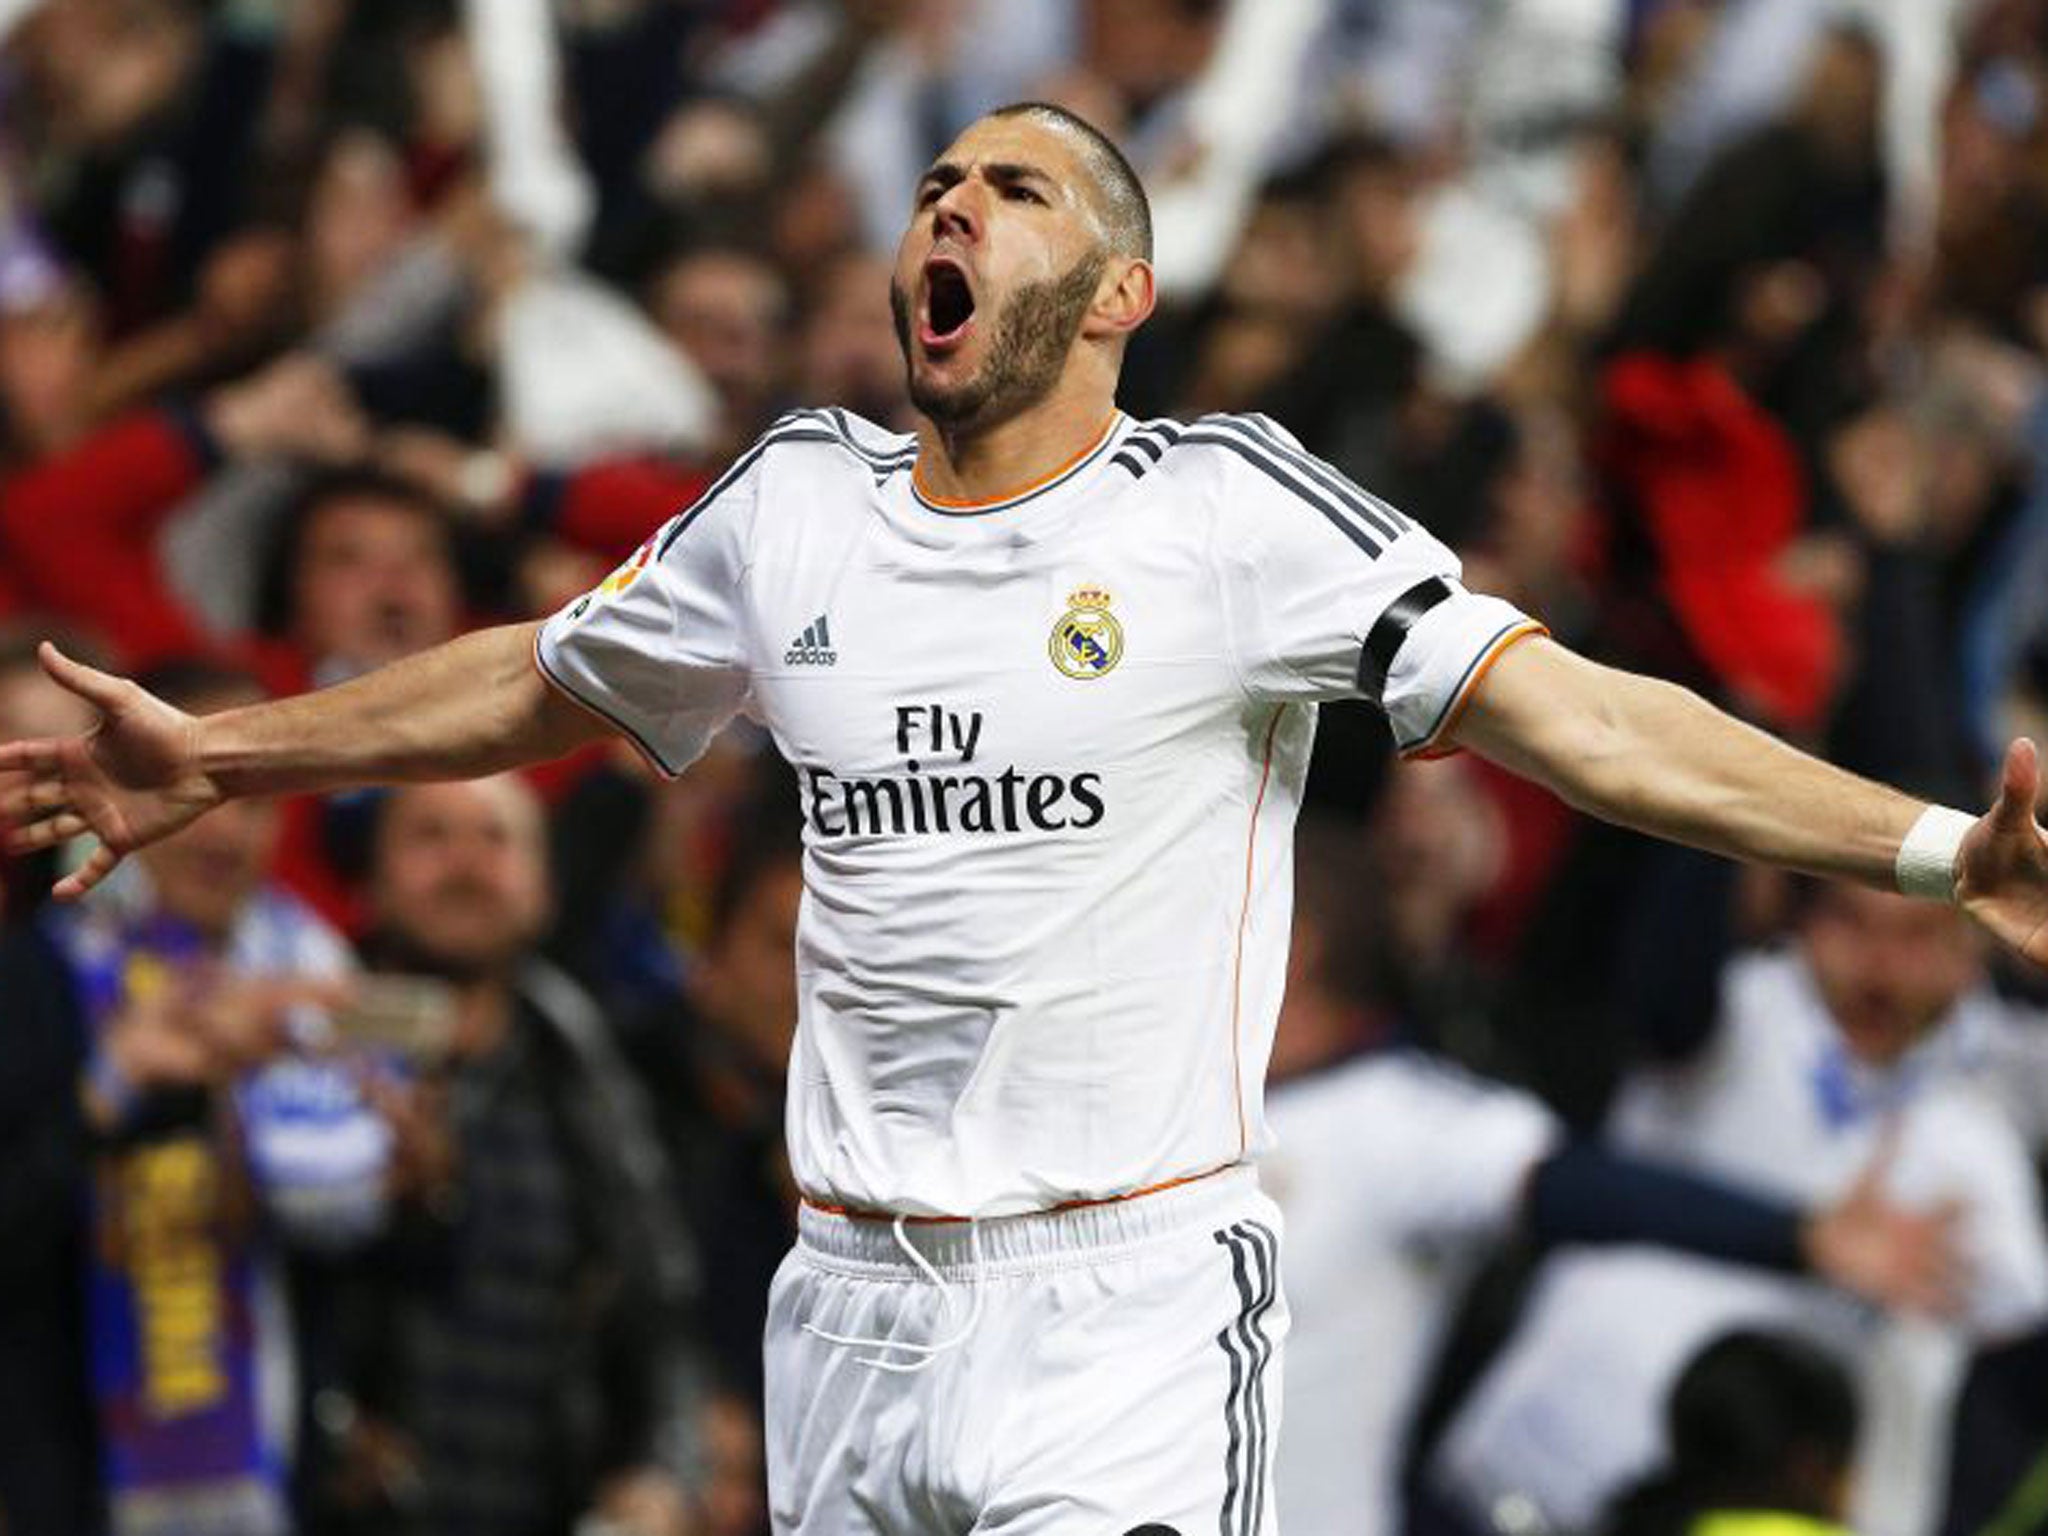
x=1254, y=1268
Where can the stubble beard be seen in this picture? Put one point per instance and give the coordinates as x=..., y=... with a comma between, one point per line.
x=1034, y=333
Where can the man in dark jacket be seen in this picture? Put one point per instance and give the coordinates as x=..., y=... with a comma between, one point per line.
x=513, y=1361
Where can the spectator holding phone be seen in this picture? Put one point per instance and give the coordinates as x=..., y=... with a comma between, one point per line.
x=513, y=1347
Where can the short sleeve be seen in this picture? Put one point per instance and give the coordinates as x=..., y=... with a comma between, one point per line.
x=657, y=648
x=1331, y=593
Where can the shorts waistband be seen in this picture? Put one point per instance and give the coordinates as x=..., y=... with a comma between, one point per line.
x=867, y=1242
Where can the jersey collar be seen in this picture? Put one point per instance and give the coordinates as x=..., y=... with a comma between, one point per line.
x=949, y=507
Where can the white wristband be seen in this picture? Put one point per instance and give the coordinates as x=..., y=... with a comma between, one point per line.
x=1926, y=865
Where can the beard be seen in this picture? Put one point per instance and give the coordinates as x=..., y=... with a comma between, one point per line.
x=485, y=946
x=1034, y=333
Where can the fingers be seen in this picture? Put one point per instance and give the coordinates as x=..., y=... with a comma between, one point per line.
x=30, y=798
x=100, y=689
x=36, y=812
x=1932, y=1274
x=16, y=790
x=87, y=875
x=28, y=757
x=47, y=833
x=2019, y=786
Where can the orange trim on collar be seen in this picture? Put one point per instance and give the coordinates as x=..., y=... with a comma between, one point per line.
x=952, y=504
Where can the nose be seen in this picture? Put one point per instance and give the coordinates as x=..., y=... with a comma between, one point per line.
x=957, y=212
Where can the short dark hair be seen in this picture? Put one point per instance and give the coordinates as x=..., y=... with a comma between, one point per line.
x=278, y=574
x=1127, y=211
x=1757, y=1420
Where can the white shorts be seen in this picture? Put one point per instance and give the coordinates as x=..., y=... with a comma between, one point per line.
x=1119, y=1371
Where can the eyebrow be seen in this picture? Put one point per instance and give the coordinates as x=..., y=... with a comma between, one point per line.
x=948, y=173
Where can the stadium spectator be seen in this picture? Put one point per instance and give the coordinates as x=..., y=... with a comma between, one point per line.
x=1711, y=332
x=1761, y=1428
x=101, y=504
x=511, y=1357
x=1997, y=1441
x=727, y=309
x=217, y=1137
x=1400, y=1175
x=150, y=111
x=718, y=1071
x=1862, y=1041
x=48, y=1464
x=638, y=867
x=847, y=346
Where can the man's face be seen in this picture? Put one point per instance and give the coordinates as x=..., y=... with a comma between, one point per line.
x=726, y=311
x=1888, y=967
x=460, y=875
x=49, y=351
x=848, y=350
x=204, y=874
x=996, y=272
x=374, y=582
x=360, y=216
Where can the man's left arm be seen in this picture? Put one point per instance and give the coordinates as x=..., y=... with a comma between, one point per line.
x=1648, y=754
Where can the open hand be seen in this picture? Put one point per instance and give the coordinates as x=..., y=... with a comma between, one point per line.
x=131, y=780
x=1873, y=1247
x=2002, y=868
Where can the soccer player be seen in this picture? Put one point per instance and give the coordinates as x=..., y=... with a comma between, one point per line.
x=1048, y=679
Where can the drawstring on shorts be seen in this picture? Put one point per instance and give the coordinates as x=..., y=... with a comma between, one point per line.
x=926, y=1353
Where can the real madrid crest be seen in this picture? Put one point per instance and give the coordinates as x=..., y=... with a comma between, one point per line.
x=1086, y=640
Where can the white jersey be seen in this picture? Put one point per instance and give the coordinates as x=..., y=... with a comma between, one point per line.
x=1571, y=1409
x=1397, y=1176
x=1049, y=752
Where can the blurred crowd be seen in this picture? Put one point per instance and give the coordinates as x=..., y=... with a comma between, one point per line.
x=410, y=1163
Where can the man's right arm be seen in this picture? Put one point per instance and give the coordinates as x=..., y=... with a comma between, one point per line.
x=474, y=706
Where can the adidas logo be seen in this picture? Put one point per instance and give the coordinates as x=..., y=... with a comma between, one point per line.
x=812, y=648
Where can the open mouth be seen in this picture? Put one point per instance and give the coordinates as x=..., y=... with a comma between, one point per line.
x=948, y=303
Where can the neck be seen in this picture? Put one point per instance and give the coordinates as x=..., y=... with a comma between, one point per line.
x=967, y=463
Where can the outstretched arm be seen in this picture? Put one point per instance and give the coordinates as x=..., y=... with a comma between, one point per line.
x=1864, y=1242
x=1650, y=755
x=474, y=706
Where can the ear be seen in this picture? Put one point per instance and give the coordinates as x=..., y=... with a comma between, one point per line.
x=1124, y=299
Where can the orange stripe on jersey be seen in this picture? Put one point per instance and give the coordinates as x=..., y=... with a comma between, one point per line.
x=1244, y=912
x=862, y=1213
x=952, y=504
x=1426, y=751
